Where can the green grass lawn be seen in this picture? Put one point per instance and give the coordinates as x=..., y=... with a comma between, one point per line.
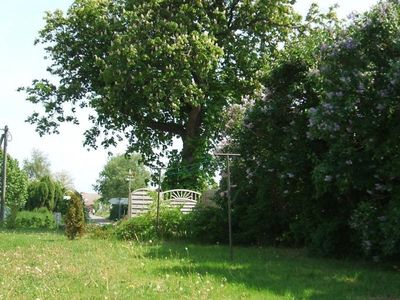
x=48, y=266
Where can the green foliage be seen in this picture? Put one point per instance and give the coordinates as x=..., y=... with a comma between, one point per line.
x=143, y=227
x=44, y=192
x=38, y=218
x=16, y=187
x=100, y=232
x=320, y=147
x=60, y=202
x=377, y=228
x=390, y=227
x=117, y=212
x=156, y=70
x=37, y=166
x=74, y=218
x=112, y=182
x=102, y=208
x=207, y=225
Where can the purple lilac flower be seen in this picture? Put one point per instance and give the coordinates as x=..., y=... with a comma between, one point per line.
x=361, y=88
x=350, y=44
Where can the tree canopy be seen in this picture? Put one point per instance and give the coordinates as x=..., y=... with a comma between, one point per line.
x=37, y=166
x=153, y=70
x=16, y=186
x=113, y=183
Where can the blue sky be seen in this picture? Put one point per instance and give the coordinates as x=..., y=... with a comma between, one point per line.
x=21, y=62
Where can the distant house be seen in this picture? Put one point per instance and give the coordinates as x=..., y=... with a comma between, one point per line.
x=89, y=199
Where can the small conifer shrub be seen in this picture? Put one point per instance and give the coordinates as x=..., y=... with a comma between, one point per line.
x=74, y=218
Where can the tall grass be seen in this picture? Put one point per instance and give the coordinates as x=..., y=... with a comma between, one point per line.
x=45, y=265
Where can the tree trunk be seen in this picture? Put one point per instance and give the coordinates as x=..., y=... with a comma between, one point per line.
x=191, y=137
x=185, y=172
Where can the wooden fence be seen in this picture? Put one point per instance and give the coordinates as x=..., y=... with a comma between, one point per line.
x=185, y=199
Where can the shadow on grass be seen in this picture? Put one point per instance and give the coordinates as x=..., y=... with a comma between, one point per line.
x=282, y=272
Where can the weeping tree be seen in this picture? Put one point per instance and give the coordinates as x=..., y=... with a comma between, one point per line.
x=45, y=192
x=151, y=71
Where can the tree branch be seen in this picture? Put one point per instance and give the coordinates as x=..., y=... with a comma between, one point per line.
x=165, y=126
x=231, y=10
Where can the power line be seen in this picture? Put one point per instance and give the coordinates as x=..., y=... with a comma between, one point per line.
x=180, y=169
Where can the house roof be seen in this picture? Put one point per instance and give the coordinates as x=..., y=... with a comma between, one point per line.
x=90, y=198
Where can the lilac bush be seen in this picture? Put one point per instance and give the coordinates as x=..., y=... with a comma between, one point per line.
x=321, y=153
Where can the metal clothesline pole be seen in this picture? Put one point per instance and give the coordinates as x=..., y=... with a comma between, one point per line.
x=228, y=156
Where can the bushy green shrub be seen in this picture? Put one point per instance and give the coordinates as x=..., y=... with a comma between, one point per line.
x=38, y=218
x=75, y=217
x=144, y=227
x=207, y=225
x=319, y=148
x=377, y=229
x=118, y=213
x=140, y=228
x=172, y=223
x=100, y=232
x=390, y=224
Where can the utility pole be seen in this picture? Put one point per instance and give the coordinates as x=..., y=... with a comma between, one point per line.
x=130, y=177
x=228, y=156
x=4, y=175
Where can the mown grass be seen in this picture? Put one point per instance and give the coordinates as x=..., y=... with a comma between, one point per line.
x=44, y=265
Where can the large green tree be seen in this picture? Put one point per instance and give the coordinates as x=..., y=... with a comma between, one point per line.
x=154, y=70
x=16, y=187
x=112, y=182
